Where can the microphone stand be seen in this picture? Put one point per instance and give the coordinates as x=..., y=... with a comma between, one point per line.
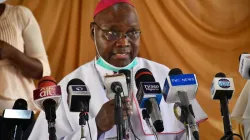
x=186, y=111
x=52, y=130
x=184, y=116
x=50, y=112
x=228, y=133
x=226, y=121
x=118, y=116
x=188, y=132
x=116, y=87
x=83, y=116
x=146, y=118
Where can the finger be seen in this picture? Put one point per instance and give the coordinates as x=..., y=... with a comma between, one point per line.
x=126, y=99
x=127, y=107
x=130, y=112
x=125, y=117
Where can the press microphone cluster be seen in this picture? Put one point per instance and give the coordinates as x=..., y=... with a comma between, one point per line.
x=16, y=122
x=47, y=97
x=149, y=95
x=182, y=88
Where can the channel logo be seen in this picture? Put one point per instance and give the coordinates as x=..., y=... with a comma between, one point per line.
x=224, y=83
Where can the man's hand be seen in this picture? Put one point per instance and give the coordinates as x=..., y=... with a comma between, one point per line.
x=6, y=50
x=105, y=118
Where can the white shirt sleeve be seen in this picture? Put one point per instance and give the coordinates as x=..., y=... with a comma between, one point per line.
x=32, y=37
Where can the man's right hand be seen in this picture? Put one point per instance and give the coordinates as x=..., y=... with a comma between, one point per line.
x=6, y=50
x=105, y=119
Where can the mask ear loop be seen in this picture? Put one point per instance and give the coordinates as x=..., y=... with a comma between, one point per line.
x=98, y=54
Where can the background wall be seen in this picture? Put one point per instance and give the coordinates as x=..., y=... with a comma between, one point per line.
x=199, y=36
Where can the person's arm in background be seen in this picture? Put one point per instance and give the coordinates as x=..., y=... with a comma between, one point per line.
x=33, y=62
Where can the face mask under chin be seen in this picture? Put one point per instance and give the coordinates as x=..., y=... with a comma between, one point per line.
x=101, y=62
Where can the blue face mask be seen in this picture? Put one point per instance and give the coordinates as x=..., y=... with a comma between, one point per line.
x=101, y=62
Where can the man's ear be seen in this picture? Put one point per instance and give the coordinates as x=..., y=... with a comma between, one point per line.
x=92, y=31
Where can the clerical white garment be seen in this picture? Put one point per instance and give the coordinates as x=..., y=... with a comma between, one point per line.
x=67, y=123
x=241, y=111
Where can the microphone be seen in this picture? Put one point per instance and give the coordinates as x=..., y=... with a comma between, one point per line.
x=244, y=67
x=179, y=82
x=19, y=111
x=17, y=120
x=109, y=81
x=16, y=132
x=78, y=96
x=223, y=89
x=182, y=87
x=47, y=97
x=20, y=104
x=149, y=96
x=115, y=86
x=78, y=101
x=127, y=122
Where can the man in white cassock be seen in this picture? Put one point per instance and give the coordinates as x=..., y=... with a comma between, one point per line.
x=241, y=111
x=116, y=33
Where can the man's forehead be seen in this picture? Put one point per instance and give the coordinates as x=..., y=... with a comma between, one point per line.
x=113, y=19
x=119, y=13
x=105, y=4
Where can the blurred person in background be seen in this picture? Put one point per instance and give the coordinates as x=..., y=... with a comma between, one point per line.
x=22, y=55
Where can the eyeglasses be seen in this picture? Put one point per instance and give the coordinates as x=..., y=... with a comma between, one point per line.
x=114, y=35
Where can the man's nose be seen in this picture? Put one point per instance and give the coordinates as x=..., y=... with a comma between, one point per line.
x=123, y=42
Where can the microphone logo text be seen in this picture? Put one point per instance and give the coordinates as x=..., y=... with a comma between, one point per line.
x=47, y=91
x=151, y=87
x=183, y=80
x=224, y=83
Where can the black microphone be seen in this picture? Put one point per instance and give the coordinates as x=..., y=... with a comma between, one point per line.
x=78, y=96
x=127, y=73
x=222, y=89
x=149, y=96
x=16, y=121
x=20, y=104
x=78, y=101
x=16, y=132
x=116, y=87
